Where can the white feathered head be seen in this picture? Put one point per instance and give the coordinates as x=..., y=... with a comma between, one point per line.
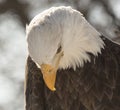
x=60, y=37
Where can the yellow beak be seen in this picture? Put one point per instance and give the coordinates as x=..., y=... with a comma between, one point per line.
x=49, y=76
x=49, y=72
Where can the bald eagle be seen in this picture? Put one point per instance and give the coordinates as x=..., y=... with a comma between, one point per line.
x=70, y=66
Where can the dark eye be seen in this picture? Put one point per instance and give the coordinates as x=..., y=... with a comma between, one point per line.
x=59, y=49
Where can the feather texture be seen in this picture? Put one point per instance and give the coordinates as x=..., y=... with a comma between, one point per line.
x=66, y=27
x=95, y=86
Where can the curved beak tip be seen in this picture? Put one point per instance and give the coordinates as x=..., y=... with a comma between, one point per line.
x=53, y=89
x=49, y=76
x=50, y=83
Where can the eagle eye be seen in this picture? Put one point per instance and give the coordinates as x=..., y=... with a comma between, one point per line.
x=59, y=49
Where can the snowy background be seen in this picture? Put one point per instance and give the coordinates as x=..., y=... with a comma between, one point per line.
x=104, y=15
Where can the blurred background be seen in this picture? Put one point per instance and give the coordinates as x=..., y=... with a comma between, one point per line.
x=104, y=15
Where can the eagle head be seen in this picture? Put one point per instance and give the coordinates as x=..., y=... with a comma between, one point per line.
x=60, y=38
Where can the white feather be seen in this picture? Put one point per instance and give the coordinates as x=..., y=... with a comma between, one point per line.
x=65, y=26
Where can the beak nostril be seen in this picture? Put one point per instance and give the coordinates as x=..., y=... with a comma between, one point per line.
x=50, y=71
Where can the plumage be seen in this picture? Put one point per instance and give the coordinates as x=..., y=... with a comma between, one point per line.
x=91, y=85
